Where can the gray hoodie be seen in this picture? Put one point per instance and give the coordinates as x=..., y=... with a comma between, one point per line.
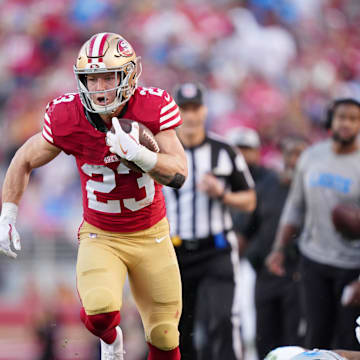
x=324, y=179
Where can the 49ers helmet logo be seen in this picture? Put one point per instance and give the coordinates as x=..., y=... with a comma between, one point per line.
x=124, y=48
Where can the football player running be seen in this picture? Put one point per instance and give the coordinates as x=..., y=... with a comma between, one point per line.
x=124, y=210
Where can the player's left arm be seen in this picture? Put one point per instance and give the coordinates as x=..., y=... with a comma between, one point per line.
x=171, y=165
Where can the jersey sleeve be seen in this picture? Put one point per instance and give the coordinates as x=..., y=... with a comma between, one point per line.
x=47, y=131
x=169, y=113
x=56, y=119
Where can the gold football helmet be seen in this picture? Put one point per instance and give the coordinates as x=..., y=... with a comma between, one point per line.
x=102, y=53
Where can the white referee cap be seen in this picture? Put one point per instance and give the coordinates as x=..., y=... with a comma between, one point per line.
x=243, y=136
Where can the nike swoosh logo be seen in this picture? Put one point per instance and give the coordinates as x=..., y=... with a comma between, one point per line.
x=124, y=151
x=159, y=240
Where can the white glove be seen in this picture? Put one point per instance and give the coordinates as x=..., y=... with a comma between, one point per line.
x=128, y=147
x=8, y=233
x=357, y=329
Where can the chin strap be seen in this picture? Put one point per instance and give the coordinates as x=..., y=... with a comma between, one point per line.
x=98, y=123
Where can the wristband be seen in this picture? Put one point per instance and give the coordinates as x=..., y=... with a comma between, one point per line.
x=146, y=159
x=9, y=210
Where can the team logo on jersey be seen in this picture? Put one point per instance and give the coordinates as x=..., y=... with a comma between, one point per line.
x=111, y=159
x=124, y=48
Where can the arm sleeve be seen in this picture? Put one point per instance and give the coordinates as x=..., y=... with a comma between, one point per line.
x=294, y=209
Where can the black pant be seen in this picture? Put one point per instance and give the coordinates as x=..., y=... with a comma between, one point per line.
x=278, y=312
x=206, y=328
x=329, y=324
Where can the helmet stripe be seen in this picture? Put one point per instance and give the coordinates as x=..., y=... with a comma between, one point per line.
x=97, y=44
x=91, y=47
x=102, y=43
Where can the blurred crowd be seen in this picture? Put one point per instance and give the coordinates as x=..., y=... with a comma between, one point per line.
x=269, y=65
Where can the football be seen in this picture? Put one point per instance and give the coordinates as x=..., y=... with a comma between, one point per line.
x=346, y=219
x=146, y=138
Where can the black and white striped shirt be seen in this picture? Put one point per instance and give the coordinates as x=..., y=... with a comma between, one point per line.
x=192, y=213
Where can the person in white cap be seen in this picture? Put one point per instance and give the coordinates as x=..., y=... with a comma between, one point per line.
x=276, y=299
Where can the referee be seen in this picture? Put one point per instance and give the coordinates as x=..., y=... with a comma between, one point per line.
x=201, y=228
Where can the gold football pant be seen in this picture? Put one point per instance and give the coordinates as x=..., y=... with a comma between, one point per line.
x=148, y=257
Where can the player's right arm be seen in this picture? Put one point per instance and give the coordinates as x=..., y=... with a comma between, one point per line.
x=34, y=153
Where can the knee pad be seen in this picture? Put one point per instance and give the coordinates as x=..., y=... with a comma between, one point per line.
x=164, y=336
x=99, y=300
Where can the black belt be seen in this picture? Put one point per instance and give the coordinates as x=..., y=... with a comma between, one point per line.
x=210, y=242
x=198, y=244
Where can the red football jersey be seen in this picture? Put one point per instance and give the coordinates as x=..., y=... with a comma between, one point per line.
x=115, y=198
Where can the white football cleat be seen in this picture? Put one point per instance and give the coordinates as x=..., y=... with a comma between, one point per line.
x=114, y=351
